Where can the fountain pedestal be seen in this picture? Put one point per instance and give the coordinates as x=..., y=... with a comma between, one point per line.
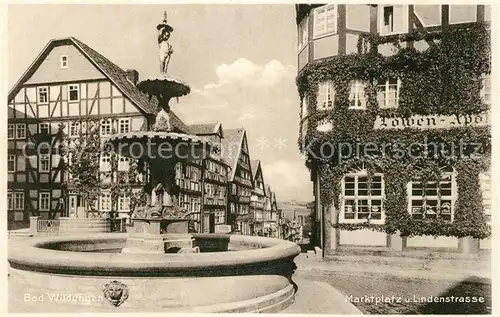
x=160, y=236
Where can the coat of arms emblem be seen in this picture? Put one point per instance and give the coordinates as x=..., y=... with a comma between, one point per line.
x=115, y=292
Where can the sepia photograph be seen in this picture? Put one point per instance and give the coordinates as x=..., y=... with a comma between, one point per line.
x=285, y=158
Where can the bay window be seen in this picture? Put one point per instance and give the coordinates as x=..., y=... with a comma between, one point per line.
x=326, y=95
x=361, y=202
x=432, y=199
x=325, y=20
x=304, y=106
x=357, y=98
x=388, y=93
x=303, y=33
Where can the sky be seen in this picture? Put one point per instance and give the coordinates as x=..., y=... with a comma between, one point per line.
x=240, y=61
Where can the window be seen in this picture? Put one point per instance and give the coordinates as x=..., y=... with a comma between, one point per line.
x=74, y=128
x=43, y=95
x=105, y=162
x=325, y=20
x=393, y=19
x=20, y=130
x=303, y=33
x=64, y=61
x=44, y=201
x=388, y=93
x=105, y=202
x=357, y=95
x=106, y=127
x=304, y=106
x=431, y=199
x=11, y=163
x=123, y=164
x=219, y=217
x=124, y=125
x=19, y=201
x=124, y=202
x=73, y=93
x=44, y=163
x=44, y=128
x=362, y=202
x=10, y=201
x=485, y=181
x=326, y=95
x=486, y=89
x=11, y=132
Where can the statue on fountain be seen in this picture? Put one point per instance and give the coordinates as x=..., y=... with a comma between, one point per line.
x=166, y=49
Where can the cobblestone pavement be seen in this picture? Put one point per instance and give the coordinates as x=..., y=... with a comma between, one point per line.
x=386, y=290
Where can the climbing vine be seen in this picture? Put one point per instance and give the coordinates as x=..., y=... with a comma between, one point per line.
x=444, y=79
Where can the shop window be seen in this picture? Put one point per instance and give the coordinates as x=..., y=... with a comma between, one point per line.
x=433, y=199
x=361, y=202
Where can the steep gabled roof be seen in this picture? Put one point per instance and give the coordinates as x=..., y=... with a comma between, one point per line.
x=254, y=164
x=205, y=128
x=231, y=148
x=268, y=191
x=114, y=73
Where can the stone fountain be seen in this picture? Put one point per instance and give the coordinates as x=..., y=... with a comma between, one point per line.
x=161, y=266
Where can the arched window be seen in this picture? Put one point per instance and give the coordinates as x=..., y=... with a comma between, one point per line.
x=361, y=202
x=433, y=199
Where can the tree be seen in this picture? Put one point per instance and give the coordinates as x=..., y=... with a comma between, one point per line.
x=82, y=151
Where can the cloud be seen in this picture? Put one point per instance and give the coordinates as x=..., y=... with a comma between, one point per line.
x=289, y=179
x=245, y=73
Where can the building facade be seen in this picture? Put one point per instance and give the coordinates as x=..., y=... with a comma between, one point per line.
x=374, y=80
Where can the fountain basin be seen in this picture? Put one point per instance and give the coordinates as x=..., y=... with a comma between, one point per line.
x=256, y=277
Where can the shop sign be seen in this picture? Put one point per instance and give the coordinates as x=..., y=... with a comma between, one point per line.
x=433, y=121
x=222, y=228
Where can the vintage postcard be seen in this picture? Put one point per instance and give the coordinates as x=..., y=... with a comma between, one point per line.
x=288, y=158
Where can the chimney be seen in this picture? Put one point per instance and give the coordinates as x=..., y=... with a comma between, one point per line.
x=132, y=75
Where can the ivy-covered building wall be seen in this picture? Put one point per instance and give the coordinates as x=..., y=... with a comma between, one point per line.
x=397, y=140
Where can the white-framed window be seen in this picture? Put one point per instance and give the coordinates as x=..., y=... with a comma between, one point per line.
x=44, y=201
x=18, y=200
x=106, y=127
x=11, y=163
x=485, y=182
x=388, y=93
x=432, y=199
x=105, y=165
x=43, y=95
x=123, y=163
x=73, y=93
x=326, y=95
x=44, y=161
x=361, y=202
x=325, y=20
x=124, y=202
x=44, y=128
x=64, y=61
x=357, y=98
x=303, y=32
x=124, y=125
x=486, y=89
x=11, y=131
x=20, y=131
x=393, y=19
x=219, y=217
x=304, y=106
x=10, y=201
x=105, y=201
x=74, y=128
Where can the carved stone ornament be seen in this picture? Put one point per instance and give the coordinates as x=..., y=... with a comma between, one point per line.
x=115, y=292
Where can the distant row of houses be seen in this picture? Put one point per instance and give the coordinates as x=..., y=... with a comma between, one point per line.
x=69, y=81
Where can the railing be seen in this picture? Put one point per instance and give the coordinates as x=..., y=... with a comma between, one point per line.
x=51, y=225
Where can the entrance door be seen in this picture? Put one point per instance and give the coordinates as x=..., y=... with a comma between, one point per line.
x=73, y=205
x=206, y=223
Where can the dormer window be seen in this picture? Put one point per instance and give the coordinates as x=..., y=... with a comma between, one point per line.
x=64, y=61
